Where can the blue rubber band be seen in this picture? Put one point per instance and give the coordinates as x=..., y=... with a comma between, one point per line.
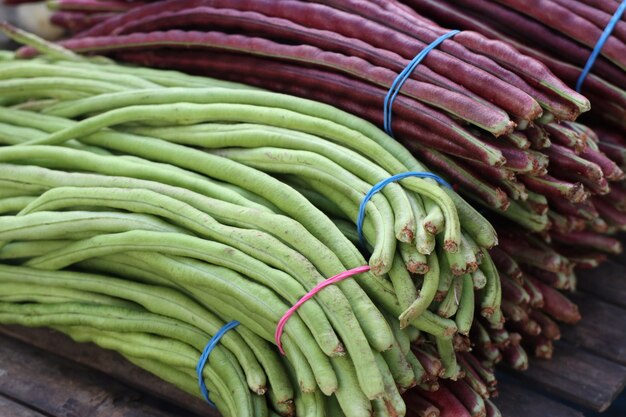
x=404, y=75
x=205, y=357
x=598, y=48
x=376, y=188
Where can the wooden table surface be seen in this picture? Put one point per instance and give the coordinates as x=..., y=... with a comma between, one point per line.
x=45, y=374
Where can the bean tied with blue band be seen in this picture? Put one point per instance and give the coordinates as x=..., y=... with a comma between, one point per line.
x=177, y=219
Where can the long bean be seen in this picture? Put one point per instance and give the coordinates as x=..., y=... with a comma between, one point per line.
x=53, y=225
x=450, y=304
x=161, y=96
x=491, y=294
x=319, y=109
x=402, y=283
x=12, y=135
x=487, y=117
x=212, y=252
x=465, y=312
x=426, y=293
x=20, y=293
x=115, y=166
x=33, y=69
x=198, y=276
x=282, y=227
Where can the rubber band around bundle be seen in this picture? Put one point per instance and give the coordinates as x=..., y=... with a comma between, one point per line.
x=404, y=75
x=376, y=188
x=339, y=277
x=205, y=357
x=600, y=44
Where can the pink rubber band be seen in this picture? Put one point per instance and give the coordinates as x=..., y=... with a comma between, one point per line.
x=340, y=277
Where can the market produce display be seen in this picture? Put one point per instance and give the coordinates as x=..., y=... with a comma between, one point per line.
x=183, y=184
x=494, y=121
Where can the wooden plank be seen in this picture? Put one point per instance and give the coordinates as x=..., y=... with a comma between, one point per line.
x=109, y=363
x=608, y=282
x=578, y=376
x=517, y=401
x=10, y=408
x=59, y=388
x=602, y=329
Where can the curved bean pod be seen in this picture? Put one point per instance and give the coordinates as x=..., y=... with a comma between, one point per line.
x=51, y=225
x=426, y=295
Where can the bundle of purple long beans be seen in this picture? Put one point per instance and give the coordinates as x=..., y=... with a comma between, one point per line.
x=476, y=110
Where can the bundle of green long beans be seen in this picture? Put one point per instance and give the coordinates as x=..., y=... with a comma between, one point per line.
x=144, y=209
